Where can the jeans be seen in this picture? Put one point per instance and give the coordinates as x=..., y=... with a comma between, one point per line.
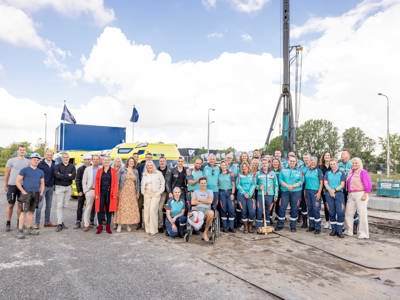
x=62, y=194
x=48, y=197
x=294, y=199
x=180, y=224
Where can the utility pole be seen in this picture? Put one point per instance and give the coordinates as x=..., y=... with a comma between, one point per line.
x=208, y=129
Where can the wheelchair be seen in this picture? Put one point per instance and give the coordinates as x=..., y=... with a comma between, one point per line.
x=215, y=228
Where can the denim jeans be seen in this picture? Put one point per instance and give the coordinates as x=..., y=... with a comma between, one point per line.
x=48, y=197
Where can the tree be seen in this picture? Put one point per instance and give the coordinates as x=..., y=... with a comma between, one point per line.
x=274, y=144
x=10, y=151
x=394, y=140
x=317, y=136
x=359, y=144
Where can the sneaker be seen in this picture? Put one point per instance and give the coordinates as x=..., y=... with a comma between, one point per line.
x=8, y=227
x=20, y=235
x=30, y=231
x=327, y=225
x=77, y=225
x=59, y=228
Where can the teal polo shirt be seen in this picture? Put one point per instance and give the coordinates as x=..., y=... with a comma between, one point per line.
x=345, y=167
x=312, y=178
x=194, y=175
x=225, y=181
x=291, y=177
x=175, y=207
x=212, y=174
x=335, y=179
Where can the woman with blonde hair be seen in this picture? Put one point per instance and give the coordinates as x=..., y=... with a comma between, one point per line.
x=152, y=186
x=128, y=209
x=359, y=185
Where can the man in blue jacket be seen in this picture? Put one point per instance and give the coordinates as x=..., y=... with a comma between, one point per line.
x=47, y=166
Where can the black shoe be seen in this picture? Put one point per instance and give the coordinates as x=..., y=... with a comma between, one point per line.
x=293, y=229
x=8, y=227
x=355, y=227
x=92, y=225
x=310, y=229
x=333, y=233
x=161, y=230
x=224, y=230
x=77, y=225
x=278, y=228
x=341, y=235
x=139, y=226
x=317, y=231
x=233, y=230
x=63, y=226
x=59, y=228
x=166, y=233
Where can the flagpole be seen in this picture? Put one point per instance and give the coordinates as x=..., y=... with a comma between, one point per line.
x=63, y=123
x=133, y=129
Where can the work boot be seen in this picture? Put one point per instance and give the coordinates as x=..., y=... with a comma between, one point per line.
x=250, y=226
x=333, y=233
x=108, y=229
x=245, y=229
x=8, y=227
x=341, y=235
x=304, y=225
x=99, y=229
x=355, y=229
x=77, y=225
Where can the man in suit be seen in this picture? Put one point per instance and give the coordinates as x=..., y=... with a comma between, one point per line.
x=88, y=183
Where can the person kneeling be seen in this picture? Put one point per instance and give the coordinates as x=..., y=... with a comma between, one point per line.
x=176, y=220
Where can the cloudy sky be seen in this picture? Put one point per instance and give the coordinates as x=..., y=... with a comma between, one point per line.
x=175, y=59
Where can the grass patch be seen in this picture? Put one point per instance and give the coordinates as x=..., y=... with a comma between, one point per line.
x=2, y=171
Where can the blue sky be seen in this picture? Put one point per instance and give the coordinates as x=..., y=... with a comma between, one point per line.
x=77, y=52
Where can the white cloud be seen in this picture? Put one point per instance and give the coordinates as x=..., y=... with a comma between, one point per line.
x=349, y=63
x=245, y=6
x=246, y=37
x=18, y=29
x=215, y=35
x=72, y=8
x=209, y=3
x=248, y=6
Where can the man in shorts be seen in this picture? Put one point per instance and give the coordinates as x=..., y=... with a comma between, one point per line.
x=201, y=201
x=31, y=193
x=13, y=167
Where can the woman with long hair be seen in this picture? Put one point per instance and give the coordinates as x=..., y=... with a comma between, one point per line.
x=324, y=166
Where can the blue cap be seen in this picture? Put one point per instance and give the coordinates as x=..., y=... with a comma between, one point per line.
x=35, y=155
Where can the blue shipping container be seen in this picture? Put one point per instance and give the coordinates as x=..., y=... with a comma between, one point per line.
x=88, y=137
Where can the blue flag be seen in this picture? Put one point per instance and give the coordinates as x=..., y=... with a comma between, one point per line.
x=135, y=115
x=67, y=116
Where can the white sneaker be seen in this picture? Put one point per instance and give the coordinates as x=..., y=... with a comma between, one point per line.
x=128, y=228
x=327, y=225
x=119, y=228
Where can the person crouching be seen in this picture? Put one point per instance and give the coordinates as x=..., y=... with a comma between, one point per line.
x=175, y=221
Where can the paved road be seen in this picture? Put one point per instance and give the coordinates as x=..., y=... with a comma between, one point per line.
x=77, y=265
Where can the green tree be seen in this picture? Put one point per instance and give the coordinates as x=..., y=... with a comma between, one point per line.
x=11, y=150
x=317, y=136
x=359, y=144
x=274, y=144
x=394, y=140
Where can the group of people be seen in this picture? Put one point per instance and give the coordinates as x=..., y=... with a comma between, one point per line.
x=245, y=193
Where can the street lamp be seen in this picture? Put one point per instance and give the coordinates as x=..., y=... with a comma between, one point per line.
x=387, y=133
x=208, y=129
x=45, y=131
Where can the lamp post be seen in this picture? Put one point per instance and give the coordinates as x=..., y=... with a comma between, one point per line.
x=387, y=133
x=208, y=129
x=45, y=131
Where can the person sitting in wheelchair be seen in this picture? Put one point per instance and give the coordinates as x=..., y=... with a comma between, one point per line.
x=201, y=202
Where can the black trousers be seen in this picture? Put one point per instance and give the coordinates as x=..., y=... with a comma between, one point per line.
x=104, y=211
x=79, y=210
